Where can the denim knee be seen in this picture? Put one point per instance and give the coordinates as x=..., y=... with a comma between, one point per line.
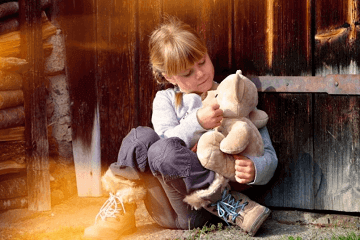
x=132, y=158
x=170, y=158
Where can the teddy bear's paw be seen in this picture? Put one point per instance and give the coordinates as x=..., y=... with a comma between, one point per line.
x=237, y=139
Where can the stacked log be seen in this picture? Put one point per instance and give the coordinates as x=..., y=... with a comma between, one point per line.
x=13, y=189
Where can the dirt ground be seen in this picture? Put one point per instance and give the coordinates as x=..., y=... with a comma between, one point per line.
x=68, y=220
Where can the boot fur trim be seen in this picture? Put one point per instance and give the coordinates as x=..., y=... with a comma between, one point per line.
x=127, y=190
x=202, y=198
x=131, y=194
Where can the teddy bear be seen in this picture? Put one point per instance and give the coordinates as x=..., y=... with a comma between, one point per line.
x=238, y=132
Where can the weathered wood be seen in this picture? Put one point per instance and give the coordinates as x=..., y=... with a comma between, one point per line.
x=9, y=8
x=10, y=81
x=13, y=187
x=272, y=37
x=118, y=90
x=37, y=146
x=12, y=117
x=12, y=134
x=12, y=151
x=10, y=99
x=11, y=167
x=82, y=73
x=14, y=203
x=290, y=126
x=10, y=42
x=12, y=64
x=9, y=25
x=337, y=152
x=147, y=84
x=337, y=37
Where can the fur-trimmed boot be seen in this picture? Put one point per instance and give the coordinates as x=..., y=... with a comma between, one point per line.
x=234, y=207
x=117, y=216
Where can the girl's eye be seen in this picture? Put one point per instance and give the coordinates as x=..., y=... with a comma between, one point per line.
x=216, y=96
x=203, y=62
x=188, y=74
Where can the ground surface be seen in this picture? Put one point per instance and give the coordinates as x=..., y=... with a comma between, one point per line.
x=69, y=219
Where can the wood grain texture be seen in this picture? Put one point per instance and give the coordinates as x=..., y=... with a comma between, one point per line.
x=117, y=53
x=337, y=37
x=37, y=146
x=149, y=17
x=337, y=152
x=290, y=127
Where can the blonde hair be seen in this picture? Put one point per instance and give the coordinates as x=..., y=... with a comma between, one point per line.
x=174, y=47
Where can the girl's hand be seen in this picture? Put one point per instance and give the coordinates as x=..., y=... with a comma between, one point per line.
x=210, y=116
x=244, y=169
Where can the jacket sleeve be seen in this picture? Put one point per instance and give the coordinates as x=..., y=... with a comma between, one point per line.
x=265, y=165
x=166, y=123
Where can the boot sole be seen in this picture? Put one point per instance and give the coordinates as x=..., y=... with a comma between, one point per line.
x=259, y=222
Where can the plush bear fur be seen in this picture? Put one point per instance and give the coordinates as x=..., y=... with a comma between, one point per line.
x=238, y=133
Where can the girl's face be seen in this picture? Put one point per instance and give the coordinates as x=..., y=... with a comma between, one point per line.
x=196, y=79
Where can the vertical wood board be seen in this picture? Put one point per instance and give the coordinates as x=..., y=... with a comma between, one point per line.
x=337, y=152
x=78, y=21
x=290, y=128
x=149, y=17
x=34, y=88
x=117, y=72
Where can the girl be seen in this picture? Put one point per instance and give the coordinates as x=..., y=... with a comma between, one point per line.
x=161, y=167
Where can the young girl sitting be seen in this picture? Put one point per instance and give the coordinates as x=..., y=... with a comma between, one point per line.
x=161, y=167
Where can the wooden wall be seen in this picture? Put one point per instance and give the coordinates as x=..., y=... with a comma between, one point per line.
x=315, y=135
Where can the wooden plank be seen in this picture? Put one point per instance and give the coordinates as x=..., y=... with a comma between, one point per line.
x=12, y=117
x=249, y=29
x=10, y=99
x=12, y=64
x=11, y=167
x=290, y=127
x=215, y=26
x=118, y=61
x=149, y=15
x=10, y=42
x=337, y=37
x=12, y=134
x=273, y=37
x=78, y=21
x=337, y=152
x=37, y=146
x=10, y=80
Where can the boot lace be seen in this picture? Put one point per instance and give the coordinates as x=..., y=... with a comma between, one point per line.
x=228, y=206
x=110, y=208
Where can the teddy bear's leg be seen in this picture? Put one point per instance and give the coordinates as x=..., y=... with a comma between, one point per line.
x=211, y=157
x=237, y=139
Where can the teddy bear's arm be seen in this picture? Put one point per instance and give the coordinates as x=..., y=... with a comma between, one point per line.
x=238, y=137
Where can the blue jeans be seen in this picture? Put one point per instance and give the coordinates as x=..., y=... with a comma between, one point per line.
x=169, y=171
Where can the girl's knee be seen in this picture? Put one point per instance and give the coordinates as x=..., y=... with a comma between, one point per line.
x=169, y=157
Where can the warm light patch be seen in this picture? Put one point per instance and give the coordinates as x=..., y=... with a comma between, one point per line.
x=270, y=32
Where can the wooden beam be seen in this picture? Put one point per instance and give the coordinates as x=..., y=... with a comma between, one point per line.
x=36, y=141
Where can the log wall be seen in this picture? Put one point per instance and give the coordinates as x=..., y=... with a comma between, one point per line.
x=13, y=68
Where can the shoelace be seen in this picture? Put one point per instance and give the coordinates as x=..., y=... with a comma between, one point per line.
x=228, y=206
x=110, y=208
